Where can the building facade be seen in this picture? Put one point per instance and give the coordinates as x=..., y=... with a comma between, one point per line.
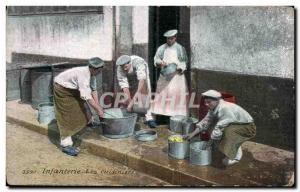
x=245, y=51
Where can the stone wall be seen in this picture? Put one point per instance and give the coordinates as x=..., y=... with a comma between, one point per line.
x=65, y=35
x=249, y=52
x=246, y=40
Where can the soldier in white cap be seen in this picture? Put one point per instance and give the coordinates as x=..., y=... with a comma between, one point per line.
x=72, y=89
x=171, y=88
x=134, y=65
x=232, y=126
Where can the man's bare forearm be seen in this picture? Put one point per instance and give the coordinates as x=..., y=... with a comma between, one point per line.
x=95, y=97
x=96, y=106
x=127, y=92
x=197, y=130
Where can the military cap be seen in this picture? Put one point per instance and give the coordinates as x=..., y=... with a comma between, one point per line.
x=96, y=62
x=212, y=94
x=171, y=33
x=122, y=60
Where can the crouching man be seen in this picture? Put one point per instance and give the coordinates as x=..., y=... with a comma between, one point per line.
x=233, y=126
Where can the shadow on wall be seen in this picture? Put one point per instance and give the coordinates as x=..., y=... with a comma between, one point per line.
x=19, y=59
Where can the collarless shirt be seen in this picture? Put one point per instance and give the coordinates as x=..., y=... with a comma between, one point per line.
x=138, y=66
x=76, y=78
x=171, y=54
x=224, y=114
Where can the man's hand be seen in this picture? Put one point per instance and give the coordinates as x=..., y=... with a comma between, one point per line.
x=216, y=134
x=188, y=137
x=129, y=107
x=100, y=113
x=163, y=64
x=180, y=72
x=125, y=101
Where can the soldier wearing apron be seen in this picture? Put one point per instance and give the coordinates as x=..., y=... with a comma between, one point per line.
x=232, y=126
x=171, y=90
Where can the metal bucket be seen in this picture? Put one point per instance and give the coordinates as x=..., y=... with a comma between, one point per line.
x=199, y=154
x=176, y=123
x=171, y=68
x=141, y=106
x=46, y=113
x=25, y=83
x=118, y=123
x=178, y=150
x=189, y=125
x=12, y=84
x=41, y=86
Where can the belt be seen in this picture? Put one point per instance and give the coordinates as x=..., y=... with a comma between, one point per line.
x=59, y=86
x=242, y=123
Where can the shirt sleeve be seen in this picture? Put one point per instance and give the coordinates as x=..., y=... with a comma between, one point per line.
x=157, y=57
x=182, y=58
x=122, y=79
x=84, y=88
x=141, y=70
x=205, y=122
x=93, y=83
x=225, y=117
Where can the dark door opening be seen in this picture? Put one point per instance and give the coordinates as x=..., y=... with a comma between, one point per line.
x=162, y=19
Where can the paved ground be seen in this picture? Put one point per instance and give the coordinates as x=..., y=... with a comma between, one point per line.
x=33, y=160
x=261, y=165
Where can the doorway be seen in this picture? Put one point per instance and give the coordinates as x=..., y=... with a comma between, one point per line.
x=162, y=19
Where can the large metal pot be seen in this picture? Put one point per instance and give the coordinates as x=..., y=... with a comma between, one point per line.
x=25, y=83
x=12, y=84
x=176, y=123
x=189, y=125
x=118, y=123
x=178, y=150
x=200, y=153
x=41, y=90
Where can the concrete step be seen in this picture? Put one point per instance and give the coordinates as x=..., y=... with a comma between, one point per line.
x=261, y=165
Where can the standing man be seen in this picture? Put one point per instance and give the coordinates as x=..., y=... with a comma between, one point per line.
x=72, y=88
x=134, y=65
x=171, y=90
x=232, y=126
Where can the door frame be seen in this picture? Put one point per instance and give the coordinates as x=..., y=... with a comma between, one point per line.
x=183, y=37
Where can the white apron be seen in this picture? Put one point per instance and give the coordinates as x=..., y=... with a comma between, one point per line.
x=172, y=91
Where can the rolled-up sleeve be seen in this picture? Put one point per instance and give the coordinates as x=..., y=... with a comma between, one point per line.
x=84, y=88
x=205, y=122
x=93, y=83
x=182, y=59
x=157, y=57
x=122, y=79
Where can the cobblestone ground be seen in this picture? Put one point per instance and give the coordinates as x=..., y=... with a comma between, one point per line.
x=31, y=159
